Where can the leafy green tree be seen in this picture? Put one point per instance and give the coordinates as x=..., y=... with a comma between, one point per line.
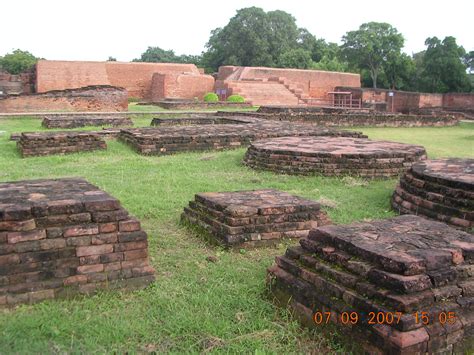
x=330, y=64
x=157, y=55
x=469, y=61
x=400, y=71
x=370, y=46
x=443, y=69
x=112, y=59
x=295, y=58
x=252, y=37
x=18, y=61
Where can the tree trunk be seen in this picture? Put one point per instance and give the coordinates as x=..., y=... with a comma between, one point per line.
x=373, y=74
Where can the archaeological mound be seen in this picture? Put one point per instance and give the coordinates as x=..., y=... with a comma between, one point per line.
x=253, y=218
x=63, y=237
x=332, y=156
x=403, y=285
x=84, y=120
x=438, y=189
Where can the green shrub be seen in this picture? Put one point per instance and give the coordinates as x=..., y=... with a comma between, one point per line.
x=236, y=98
x=211, y=97
x=134, y=99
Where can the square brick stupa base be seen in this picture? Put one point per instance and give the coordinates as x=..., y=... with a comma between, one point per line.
x=401, y=286
x=252, y=218
x=63, y=237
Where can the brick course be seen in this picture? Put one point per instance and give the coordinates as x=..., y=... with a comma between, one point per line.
x=71, y=121
x=45, y=252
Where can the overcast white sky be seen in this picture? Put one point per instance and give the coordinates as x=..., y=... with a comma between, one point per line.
x=97, y=29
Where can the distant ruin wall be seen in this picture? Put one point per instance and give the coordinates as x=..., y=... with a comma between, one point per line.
x=92, y=98
x=135, y=77
x=459, y=101
x=23, y=83
x=183, y=86
x=314, y=83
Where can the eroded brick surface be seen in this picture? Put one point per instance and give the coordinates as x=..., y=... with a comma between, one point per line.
x=438, y=189
x=405, y=264
x=47, y=143
x=66, y=232
x=168, y=140
x=333, y=156
x=254, y=217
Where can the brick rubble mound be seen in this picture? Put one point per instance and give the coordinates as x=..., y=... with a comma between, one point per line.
x=69, y=121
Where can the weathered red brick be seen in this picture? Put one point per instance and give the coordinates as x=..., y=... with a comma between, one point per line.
x=94, y=250
x=86, y=269
x=81, y=230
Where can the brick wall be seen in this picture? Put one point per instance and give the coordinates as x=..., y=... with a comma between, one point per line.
x=431, y=100
x=92, y=98
x=135, y=77
x=183, y=86
x=459, y=101
x=314, y=83
x=23, y=83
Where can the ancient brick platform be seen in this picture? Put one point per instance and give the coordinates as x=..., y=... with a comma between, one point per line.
x=381, y=274
x=199, y=120
x=333, y=156
x=47, y=143
x=438, y=189
x=253, y=218
x=168, y=140
x=66, y=236
x=68, y=121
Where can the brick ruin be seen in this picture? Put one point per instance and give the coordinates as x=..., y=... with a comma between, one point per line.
x=92, y=98
x=331, y=156
x=400, y=286
x=77, y=121
x=341, y=117
x=62, y=237
x=253, y=218
x=438, y=189
x=172, y=139
x=181, y=104
x=48, y=143
x=11, y=84
x=200, y=119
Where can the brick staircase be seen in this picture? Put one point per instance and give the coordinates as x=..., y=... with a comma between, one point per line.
x=264, y=92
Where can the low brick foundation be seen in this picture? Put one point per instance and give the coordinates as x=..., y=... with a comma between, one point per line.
x=169, y=140
x=253, y=218
x=68, y=121
x=337, y=117
x=199, y=120
x=438, y=189
x=195, y=105
x=48, y=143
x=90, y=98
x=403, y=285
x=63, y=237
x=333, y=156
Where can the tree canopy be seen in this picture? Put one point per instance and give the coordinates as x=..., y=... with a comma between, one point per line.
x=17, y=62
x=372, y=46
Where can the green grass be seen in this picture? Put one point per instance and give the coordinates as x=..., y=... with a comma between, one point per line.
x=133, y=107
x=194, y=306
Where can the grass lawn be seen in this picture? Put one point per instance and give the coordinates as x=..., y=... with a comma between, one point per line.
x=133, y=107
x=194, y=306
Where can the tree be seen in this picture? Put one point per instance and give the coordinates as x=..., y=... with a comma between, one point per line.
x=469, y=61
x=252, y=37
x=18, y=61
x=295, y=58
x=157, y=55
x=400, y=71
x=443, y=69
x=370, y=47
x=111, y=59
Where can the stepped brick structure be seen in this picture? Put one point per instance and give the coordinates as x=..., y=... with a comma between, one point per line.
x=63, y=237
x=92, y=98
x=48, y=143
x=169, y=140
x=71, y=121
x=276, y=86
x=171, y=79
x=438, y=189
x=253, y=218
x=332, y=156
x=200, y=120
x=398, y=286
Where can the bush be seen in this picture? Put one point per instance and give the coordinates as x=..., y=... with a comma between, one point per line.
x=18, y=61
x=211, y=97
x=236, y=98
x=134, y=99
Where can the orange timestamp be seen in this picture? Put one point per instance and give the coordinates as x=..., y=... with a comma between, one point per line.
x=387, y=318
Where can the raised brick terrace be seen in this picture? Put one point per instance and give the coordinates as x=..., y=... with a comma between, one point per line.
x=68, y=121
x=66, y=236
x=253, y=218
x=379, y=275
x=333, y=156
x=439, y=189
